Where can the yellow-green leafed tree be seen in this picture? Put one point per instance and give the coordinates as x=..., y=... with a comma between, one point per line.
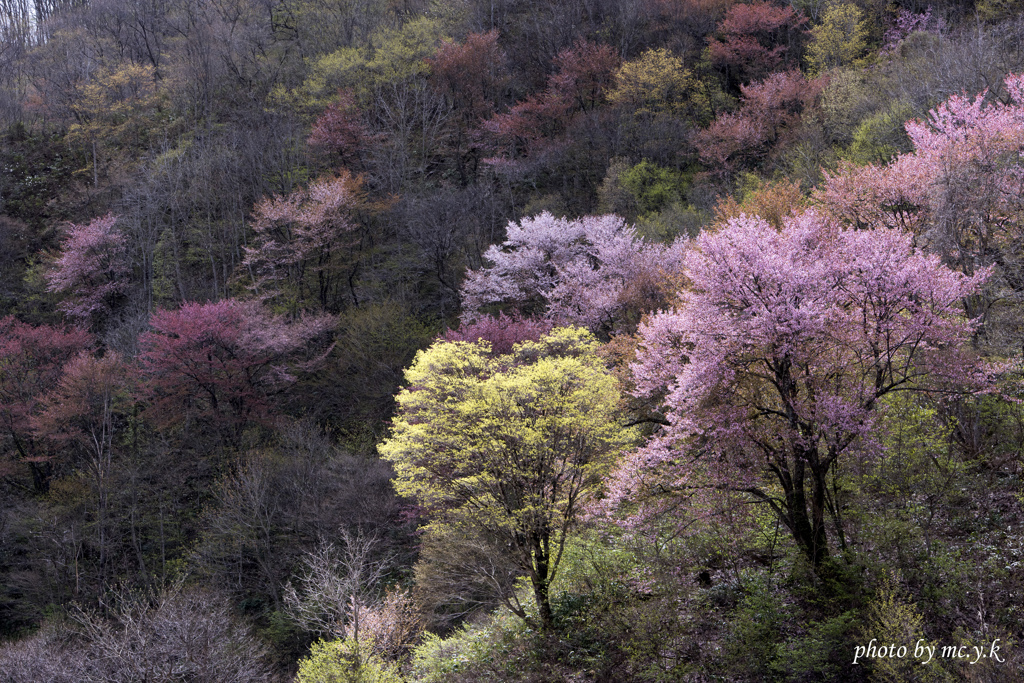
x=657, y=83
x=341, y=661
x=839, y=39
x=391, y=55
x=510, y=444
x=116, y=108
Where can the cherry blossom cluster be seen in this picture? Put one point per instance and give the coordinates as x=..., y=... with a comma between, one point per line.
x=777, y=354
x=91, y=270
x=567, y=271
x=961, y=188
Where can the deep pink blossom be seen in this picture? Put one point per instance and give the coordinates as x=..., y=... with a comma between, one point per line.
x=769, y=111
x=536, y=127
x=756, y=38
x=32, y=362
x=340, y=129
x=502, y=331
x=223, y=362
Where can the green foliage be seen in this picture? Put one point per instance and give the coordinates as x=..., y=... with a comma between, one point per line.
x=845, y=102
x=542, y=394
x=615, y=620
x=345, y=662
x=673, y=220
x=493, y=646
x=893, y=619
x=36, y=303
x=326, y=26
x=118, y=106
x=374, y=345
x=513, y=444
x=36, y=166
x=391, y=55
x=999, y=10
x=839, y=39
x=914, y=477
x=756, y=628
x=178, y=257
x=651, y=195
x=286, y=639
x=593, y=564
x=613, y=196
x=820, y=652
x=881, y=136
x=653, y=187
x=658, y=83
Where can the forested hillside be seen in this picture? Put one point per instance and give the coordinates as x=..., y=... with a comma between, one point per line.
x=506, y=340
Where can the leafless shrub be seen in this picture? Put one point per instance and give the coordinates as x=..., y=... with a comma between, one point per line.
x=335, y=583
x=180, y=635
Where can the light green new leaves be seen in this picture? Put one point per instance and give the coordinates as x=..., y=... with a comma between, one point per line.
x=392, y=55
x=512, y=443
x=839, y=39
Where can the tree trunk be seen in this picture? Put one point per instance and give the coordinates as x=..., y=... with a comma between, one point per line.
x=808, y=529
x=539, y=579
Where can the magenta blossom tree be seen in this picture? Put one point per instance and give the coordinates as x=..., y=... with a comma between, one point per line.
x=774, y=361
x=91, y=271
x=756, y=39
x=769, y=115
x=907, y=22
x=567, y=271
x=222, y=363
x=81, y=418
x=536, y=128
x=32, y=362
x=501, y=331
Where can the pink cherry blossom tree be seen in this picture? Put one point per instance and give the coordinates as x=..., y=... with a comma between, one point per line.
x=867, y=196
x=970, y=152
x=567, y=271
x=92, y=270
x=772, y=365
x=223, y=363
x=298, y=243
x=961, y=190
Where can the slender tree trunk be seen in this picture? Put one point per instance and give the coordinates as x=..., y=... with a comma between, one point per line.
x=539, y=579
x=820, y=541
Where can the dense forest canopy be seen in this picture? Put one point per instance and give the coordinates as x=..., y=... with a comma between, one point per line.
x=505, y=340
